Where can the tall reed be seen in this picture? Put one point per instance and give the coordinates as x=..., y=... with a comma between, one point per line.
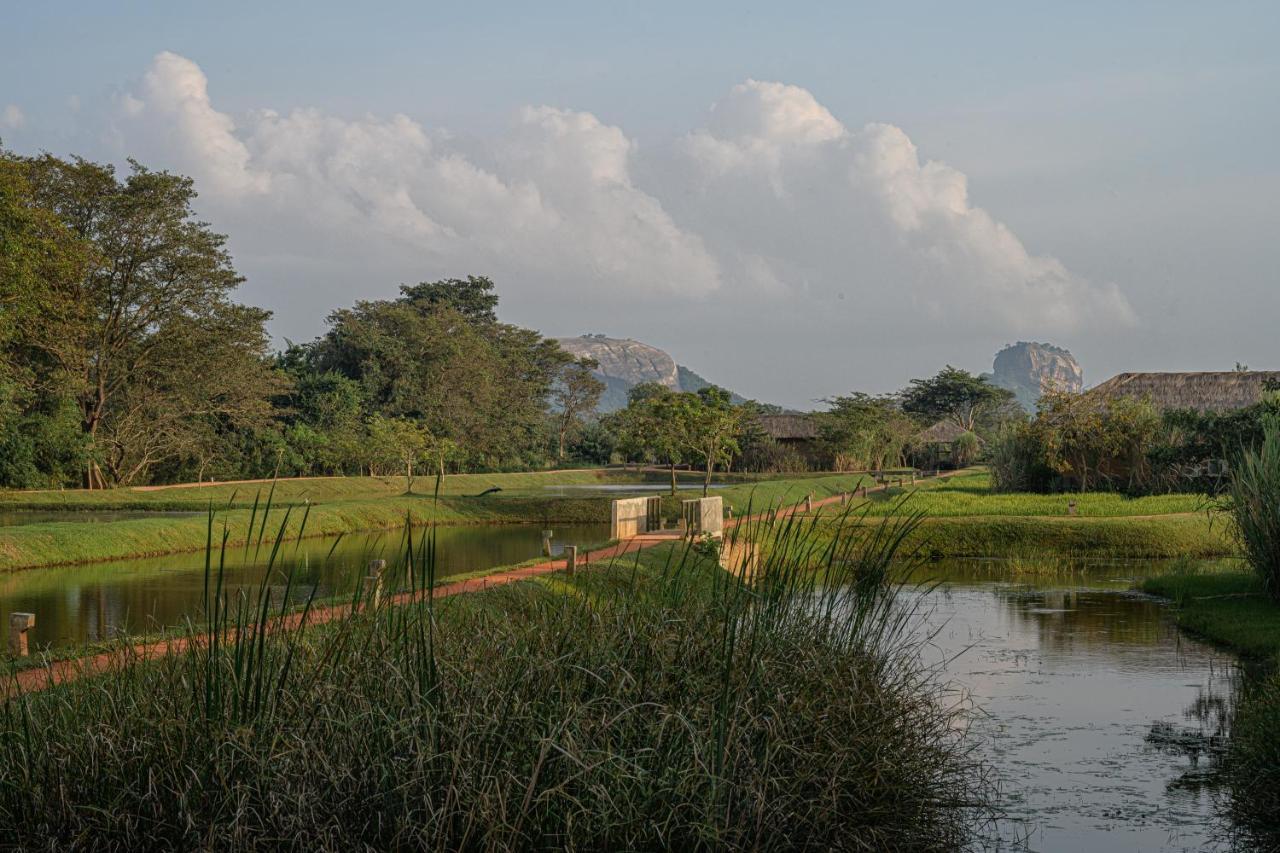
x=1253, y=499
x=661, y=702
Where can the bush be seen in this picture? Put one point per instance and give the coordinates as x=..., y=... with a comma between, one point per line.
x=1253, y=498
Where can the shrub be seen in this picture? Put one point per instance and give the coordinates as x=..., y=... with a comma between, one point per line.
x=1253, y=498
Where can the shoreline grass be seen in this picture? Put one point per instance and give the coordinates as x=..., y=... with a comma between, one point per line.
x=655, y=703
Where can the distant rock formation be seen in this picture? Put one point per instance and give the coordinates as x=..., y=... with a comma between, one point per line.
x=625, y=363
x=1030, y=369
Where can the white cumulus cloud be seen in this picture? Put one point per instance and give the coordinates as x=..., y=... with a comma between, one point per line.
x=772, y=211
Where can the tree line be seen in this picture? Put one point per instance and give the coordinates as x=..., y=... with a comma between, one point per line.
x=126, y=360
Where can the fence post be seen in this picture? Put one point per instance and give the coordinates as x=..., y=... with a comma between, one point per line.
x=19, y=625
x=570, y=558
x=373, y=582
x=808, y=502
x=546, y=542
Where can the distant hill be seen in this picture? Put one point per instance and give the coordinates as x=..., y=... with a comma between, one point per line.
x=625, y=363
x=1030, y=369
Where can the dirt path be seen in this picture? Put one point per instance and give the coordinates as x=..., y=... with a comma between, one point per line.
x=61, y=672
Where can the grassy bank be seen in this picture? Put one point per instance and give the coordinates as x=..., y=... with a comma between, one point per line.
x=656, y=704
x=1225, y=607
x=1231, y=609
x=1012, y=536
x=319, y=490
x=65, y=543
x=969, y=494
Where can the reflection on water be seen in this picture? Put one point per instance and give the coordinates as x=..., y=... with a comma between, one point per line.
x=78, y=604
x=16, y=518
x=1100, y=718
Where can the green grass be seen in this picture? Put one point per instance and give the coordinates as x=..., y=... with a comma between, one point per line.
x=319, y=490
x=1028, y=536
x=64, y=543
x=1227, y=607
x=660, y=703
x=970, y=494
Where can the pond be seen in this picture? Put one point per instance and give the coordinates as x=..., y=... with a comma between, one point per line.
x=1090, y=705
x=17, y=518
x=89, y=603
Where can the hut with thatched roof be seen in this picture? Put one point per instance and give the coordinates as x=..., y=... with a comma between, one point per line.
x=1209, y=391
x=794, y=429
x=936, y=446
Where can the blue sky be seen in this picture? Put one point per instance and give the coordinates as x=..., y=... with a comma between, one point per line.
x=1133, y=144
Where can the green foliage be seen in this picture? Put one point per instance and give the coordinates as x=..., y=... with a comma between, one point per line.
x=1253, y=500
x=443, y=361
x=862, y=432
x=965, y=450
x=137, y=325
x=957, y=396
x=1081, y=442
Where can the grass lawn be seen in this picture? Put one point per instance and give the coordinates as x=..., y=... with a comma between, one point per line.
x=321, y=490
x=970, y=494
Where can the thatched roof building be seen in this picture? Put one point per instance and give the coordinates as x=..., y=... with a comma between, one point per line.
x=1212, y=391
x=943, y=432
x=794, y=427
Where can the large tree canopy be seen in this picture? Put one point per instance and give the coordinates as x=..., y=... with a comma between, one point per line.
x=138, y=328
x=438, y=355
x=954, y=395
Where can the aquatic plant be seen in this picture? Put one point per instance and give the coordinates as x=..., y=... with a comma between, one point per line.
x=657, y=703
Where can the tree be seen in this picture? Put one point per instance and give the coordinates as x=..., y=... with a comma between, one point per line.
x=576, y=392
x=403, y=440
x=860, y=431
x=444, y=362
x=954, y=395
x=710, y=427
x=148, y=304
x=651, y=427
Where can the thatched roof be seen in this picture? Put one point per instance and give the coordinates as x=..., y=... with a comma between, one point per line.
x=943, y=432
x=789, y=427
x=1218, y=391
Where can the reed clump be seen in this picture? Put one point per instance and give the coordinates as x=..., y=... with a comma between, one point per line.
x=660, y=703
x=1253, y=499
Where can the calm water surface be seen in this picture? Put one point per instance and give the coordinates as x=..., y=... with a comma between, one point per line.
x=79, y=604
x=1075, y=680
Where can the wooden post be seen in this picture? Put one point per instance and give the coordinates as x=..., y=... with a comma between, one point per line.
x=863, y=489
x=546, y=542
x=808, y=502
x=1071, y=508
x=913, y=477
x=844, y=498
x=19, y=625
x=373, y=583
x=570, y=558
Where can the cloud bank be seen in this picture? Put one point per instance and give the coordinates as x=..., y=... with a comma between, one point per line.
x=773, y=201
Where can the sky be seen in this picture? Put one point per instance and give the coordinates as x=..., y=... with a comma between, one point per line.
x=795, y=200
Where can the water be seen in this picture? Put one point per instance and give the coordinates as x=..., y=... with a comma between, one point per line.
x=83, y=604
x=17, y=518
x=1078, y=683
x=622, y=488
